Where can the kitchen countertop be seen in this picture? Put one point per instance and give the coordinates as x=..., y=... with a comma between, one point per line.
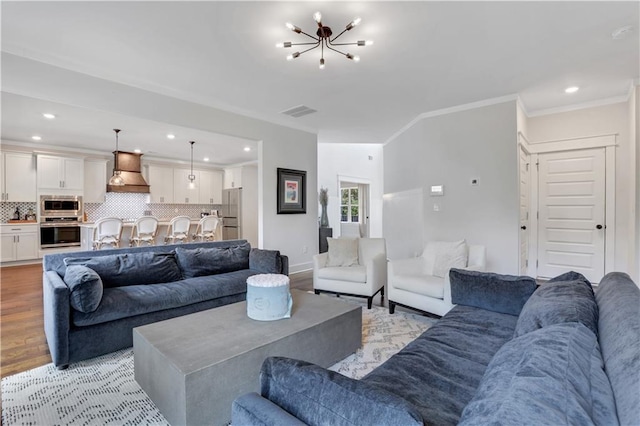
x=161, y=222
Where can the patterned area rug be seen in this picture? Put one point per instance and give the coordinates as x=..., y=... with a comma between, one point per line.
x=102, y=391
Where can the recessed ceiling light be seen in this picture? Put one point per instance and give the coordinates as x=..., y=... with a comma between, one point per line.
x=36, y=138
x=247, y=148
x=206, y=158
x=137, y=151
x=572, y=89
x=48, y=115
x=171, y=136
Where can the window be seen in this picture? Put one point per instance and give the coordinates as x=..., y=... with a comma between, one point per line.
x=349, y=205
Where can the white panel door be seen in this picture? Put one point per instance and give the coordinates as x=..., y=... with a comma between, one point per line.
x=525, y=175
x=571, y=203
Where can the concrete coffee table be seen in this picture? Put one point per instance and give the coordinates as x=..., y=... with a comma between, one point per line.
x=193, y=367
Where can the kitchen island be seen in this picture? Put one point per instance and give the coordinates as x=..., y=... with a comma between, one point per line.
x=86, y=232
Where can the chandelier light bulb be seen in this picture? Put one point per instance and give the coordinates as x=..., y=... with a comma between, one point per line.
x=572, y=89
x=279, y=45
x=293, y=56
x=368, y=43
x=290, y=26
x=317, y=17
x=356, y=58
x=321, y=63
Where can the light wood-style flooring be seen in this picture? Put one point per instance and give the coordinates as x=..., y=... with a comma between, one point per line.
x=22, y=342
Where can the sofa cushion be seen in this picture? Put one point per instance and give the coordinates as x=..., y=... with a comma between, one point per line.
x=265, y=261
x=440, y=370
x=354, y=274
x=342, y=252
x=131, y=268
x=506, y=294
x=559, y=301
x=123, y=302
x=210, y=261
x=85, y=288
x=426, y=285
x=319, y=396
x=552, y=376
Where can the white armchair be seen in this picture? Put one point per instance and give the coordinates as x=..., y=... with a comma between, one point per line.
x=364, y=278
x=412, y=283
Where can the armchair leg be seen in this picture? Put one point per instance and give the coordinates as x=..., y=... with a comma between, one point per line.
x=316, y=291
x=382, y=297
x=369, y=302
x=392, y=307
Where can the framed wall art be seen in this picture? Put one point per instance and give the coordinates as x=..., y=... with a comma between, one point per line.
x=292, y=191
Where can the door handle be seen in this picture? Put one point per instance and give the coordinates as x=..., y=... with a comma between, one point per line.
x=599, y=226
x=523, y=227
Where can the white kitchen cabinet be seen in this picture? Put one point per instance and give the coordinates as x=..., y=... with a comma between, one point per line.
x=183, y=191
x=18, y=177
x=95, y=181
x=160, y=180
x=18, y=242
x=60, y=174
x=233, y=177
x=210, y=187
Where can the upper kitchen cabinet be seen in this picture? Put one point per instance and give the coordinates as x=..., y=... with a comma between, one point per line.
x=95, y=181
x=210, y=187
x=185, y=192
x=18, y=177
x=233, y=177
x=60, y=175
x=160, y=180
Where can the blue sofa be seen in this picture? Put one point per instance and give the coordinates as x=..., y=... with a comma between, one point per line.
x=94, y=299
x=507, y=354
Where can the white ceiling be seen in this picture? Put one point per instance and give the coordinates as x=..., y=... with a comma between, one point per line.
x=427, y=56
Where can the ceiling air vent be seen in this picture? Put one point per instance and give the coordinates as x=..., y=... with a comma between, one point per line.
x=299, y=111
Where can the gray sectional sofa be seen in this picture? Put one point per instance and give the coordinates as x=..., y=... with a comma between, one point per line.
x=507, y=354
x=93, y=299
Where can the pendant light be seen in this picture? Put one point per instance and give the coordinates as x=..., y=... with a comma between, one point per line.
x=116, y=179
x=192, y=177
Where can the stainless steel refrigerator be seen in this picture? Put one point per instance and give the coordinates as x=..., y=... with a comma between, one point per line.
x=232, y=214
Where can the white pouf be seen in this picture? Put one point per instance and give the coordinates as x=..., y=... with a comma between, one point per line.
x=268, y=297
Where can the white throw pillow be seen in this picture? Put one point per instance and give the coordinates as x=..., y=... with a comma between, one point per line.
x=449, y=255
x=342, y=251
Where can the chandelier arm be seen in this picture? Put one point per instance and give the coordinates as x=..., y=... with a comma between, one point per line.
x=336, y=50
x=309, y=35
x=336, y=37
x=303, y=44
x=311, y=48
x=344, y=44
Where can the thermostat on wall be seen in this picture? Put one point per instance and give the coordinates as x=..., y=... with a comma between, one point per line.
x=437, y=190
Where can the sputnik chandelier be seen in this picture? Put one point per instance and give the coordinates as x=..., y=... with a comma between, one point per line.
x=323, y=40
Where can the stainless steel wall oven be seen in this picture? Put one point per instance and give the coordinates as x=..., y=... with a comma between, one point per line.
x=60, y=218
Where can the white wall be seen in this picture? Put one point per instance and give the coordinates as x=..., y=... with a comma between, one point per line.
x=279, y=147
x=634, y=113
x=607, y=119
x=350, y=161
x=450, y=150
x=250, y=204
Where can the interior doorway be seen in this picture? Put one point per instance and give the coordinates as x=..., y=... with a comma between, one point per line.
x=525, y=196
x=354, y=196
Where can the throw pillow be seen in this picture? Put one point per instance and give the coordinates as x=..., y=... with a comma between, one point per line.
x=449, y=255
x=557, y=302
x=552, y=376
x=85, y=286
x=119, y=270
x=265, y=261
x=211, y=261
x=505, y=294
x=342, y=251
x=317, y=396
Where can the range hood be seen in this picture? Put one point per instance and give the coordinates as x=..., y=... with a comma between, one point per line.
x=129, y=165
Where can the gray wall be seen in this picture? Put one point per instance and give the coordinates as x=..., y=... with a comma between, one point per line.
x=450, y=150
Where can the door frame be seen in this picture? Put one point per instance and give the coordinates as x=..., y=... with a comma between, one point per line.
x=360, y=181
x=523, y=148
x=609, y=143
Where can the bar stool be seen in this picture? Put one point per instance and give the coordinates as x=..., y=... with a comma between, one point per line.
x=178, y=230
x=107, y=231
x=144, y=231
x=206, y=230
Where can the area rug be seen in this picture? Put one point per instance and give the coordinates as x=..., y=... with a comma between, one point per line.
x=102, y=390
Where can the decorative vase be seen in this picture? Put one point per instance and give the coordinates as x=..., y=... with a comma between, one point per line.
x=324, y=220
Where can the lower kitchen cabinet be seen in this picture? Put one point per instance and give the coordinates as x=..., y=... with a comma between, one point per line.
x=18, y=242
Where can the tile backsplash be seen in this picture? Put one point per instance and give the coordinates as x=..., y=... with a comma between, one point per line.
x=7, y=208
x=131, y=206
